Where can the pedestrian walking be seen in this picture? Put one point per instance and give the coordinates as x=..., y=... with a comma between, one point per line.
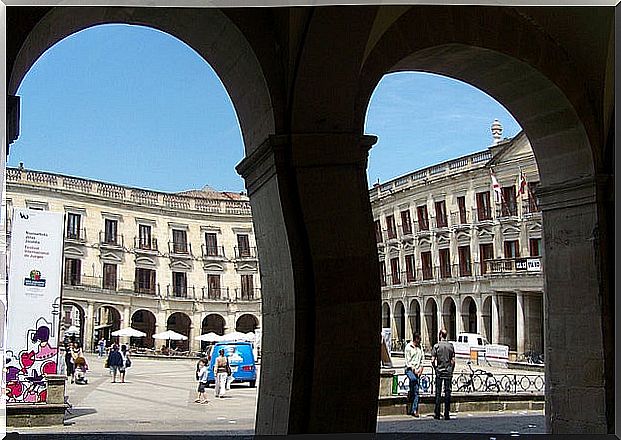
x=221, y=370
x=102, y=347
x=115, y=362
x=76, y=353
x=201, y=376
x=69, y=362
x=413, y=369
x=126, y=362
x=443, y=362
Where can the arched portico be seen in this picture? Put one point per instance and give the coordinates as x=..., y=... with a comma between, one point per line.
x=431, y=322
x=469, y=315
x=246, y=323
x=399, y=325
x=181, y=323
x=107, y=319
x=144, y=320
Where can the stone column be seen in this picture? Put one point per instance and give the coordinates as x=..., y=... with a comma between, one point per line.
x=89, y=320
x=319, y=264
x=578, y=306
x=424, y=331
x=495, y=319
x=125, y=322
x=520, y=318
x=408, y=332
x=195, y=330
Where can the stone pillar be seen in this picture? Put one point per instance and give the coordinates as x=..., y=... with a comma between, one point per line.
x=495, y=319
x=408, y=324
x=424, y=331
x=126, y=321
x=578, y=310
x=89, y=320
x=195, y=331
x=520, y=318
x=319, y=264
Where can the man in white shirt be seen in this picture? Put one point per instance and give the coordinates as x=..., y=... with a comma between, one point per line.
x=413, y=369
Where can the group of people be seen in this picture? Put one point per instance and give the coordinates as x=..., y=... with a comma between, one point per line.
x=222, y=373
x=443, y=363
x=75, y=363
x=118, y=361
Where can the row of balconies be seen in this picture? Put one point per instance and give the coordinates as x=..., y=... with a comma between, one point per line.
x=458, y=220
x=497, y=267
x=169, y=291
x=180, y=249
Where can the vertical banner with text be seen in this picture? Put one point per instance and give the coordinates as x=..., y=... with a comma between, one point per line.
x=36, y=255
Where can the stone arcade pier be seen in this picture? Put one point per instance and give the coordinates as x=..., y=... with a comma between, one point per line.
x=301, y=80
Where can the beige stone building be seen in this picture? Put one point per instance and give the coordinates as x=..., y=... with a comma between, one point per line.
x=147, y=259
x=457, y=254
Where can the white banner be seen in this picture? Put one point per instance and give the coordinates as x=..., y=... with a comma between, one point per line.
x=33, y=303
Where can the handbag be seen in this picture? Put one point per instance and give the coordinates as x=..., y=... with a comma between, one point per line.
x=228, y=368
x=128, y=363
x=106, y=364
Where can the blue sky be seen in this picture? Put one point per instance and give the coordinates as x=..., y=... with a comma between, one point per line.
x=132, y=105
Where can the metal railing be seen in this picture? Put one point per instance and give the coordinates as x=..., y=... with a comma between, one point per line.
x=247, y=294
x=484, y=382
x=145, y=245
x=245, y=252
x=179, y=248
x=180, y=291
x=111, y=240
x=105, y=284
x=77, y=234
x=215, y=293
x=212, y=251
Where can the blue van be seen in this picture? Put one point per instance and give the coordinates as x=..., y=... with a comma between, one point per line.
x=241, y=360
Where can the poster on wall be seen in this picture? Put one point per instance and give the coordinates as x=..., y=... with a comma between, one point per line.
x=33, y=309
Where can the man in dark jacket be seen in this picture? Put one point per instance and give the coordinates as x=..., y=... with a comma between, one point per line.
x=115, y=361
x=443, y=362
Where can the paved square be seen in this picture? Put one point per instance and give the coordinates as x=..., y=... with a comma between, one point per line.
x=159, y=394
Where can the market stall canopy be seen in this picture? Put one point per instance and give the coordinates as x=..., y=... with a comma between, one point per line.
x=209, y=337
x=131, y=332
x=171, y=335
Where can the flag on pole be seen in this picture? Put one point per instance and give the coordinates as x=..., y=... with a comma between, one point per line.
x=522, y=184
x=496, y=187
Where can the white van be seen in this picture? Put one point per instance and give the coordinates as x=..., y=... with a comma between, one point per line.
x=465, y=341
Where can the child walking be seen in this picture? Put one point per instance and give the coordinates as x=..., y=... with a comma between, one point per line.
x=201, y=376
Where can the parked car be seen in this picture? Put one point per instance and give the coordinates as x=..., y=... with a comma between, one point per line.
x=241, y=359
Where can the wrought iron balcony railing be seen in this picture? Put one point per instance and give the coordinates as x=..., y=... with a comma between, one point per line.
x=213, y=251
x=114, y=240
x=145, y=244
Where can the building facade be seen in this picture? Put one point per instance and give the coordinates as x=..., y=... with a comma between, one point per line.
x=455, y=253
x=150, y=260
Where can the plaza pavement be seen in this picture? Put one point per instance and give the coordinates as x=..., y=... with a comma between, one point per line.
x=158, y=397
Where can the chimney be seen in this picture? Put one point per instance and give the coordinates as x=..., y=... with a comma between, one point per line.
x=496, y=131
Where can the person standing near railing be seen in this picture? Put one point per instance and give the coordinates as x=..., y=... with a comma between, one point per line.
x=443, y=362
x=413, y=369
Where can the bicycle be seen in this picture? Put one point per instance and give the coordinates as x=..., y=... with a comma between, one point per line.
x=478, y=380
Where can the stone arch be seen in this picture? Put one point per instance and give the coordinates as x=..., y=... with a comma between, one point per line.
x=145, y=321
x=469, y=315
x=247, y=323
x=531, y=74
x=67, y=319
x=486, y=312
x=449, y=318
x=106, y=319
x=212, y=323
x=180, y=323
x=431, y=321
x=386, y=315
x=220, y=43
x=399, y=321
x=414, y=317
